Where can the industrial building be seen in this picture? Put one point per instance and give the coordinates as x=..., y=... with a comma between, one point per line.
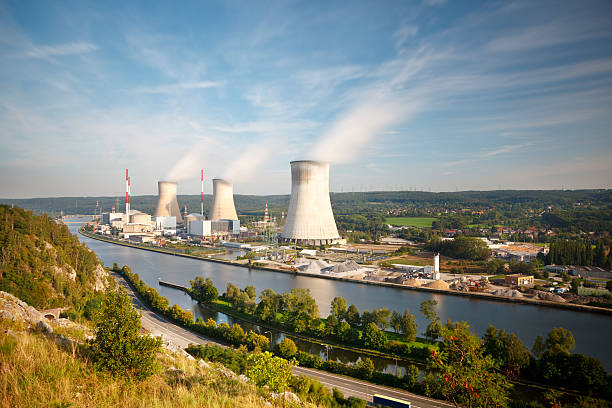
x=310, y=220
x=167, y=205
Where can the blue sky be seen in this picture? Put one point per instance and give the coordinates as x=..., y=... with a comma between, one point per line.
x=433, y=95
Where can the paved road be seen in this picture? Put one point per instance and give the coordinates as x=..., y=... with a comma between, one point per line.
x=181, y=337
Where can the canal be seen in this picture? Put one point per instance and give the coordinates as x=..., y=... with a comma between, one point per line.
x=592, y=331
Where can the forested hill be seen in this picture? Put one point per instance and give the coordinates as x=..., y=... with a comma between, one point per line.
x=254, y=205
x=43, y=264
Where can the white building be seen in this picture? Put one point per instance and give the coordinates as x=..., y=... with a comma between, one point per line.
x=200, y=228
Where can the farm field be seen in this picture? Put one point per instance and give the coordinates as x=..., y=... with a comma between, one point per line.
x=410, y=221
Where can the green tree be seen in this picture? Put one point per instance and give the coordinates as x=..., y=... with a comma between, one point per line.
x=462, y=373
x=373, y=336
x=408, y=326
x=434, y=327
x=507, y=350
x=559, y=341
x=381, y=318
x=365, y=367
x=411, y=376
x=266, y=369
x=338, y=308
x=204, y=290
x=287, y=348
x=352, y=316
x=118, y=346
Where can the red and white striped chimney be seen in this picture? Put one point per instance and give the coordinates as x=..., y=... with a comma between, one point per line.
x=127, y=195
x=202, y=196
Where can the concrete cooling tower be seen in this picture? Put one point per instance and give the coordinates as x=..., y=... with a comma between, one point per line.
x=310, y=219
x=167, y=206
x=223, y=201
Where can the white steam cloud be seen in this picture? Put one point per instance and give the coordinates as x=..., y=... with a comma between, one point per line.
x=245, y=166
x=188, y=167
x=345, y=139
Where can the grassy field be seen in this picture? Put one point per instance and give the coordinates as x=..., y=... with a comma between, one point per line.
x=411, y=221
x=410, y=261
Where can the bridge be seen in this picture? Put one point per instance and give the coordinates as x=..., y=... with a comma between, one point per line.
x=53, y=314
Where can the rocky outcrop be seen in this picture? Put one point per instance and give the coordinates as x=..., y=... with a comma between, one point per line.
x=13, y=308
x=102, y=278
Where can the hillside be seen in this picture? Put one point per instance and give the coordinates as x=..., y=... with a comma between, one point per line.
x=45, y=363
x=46, y=266
x=254, y=205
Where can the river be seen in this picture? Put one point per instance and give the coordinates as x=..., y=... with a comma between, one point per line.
x=592, y=331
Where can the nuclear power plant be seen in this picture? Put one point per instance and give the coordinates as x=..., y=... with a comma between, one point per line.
x=167, y=206
x=310, y=220
x=223, y=201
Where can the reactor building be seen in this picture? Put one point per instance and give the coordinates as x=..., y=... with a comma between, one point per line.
x=310, y=220
x=167, y=206
x=223, y=201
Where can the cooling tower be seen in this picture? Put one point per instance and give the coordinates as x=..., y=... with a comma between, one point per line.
x=223, y=201
x=167, y=206
x=310, y=219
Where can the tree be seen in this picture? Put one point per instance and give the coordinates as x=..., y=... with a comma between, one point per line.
x=352, y=316
x=559, y=341
x=118, y=346
x=338, y=308
x=538, y=348
x=411, y=376
x=507, y=350
x=408, y=326
x=434, y=327
x=365, y=367
x=381, y=318
x=256, y=341
x=462, y=373
x=331, y=325
x=204, y=290
x=266, y=369
x=287, y=348
x=373, y=337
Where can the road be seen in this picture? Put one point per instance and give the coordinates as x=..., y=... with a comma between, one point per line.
x=159, y=326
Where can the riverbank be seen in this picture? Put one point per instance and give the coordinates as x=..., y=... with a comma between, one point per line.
x=473, y=295
x=241, y=317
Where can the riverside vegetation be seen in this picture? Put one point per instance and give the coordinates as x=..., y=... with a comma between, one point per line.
x=482, y=377
x=50, y=363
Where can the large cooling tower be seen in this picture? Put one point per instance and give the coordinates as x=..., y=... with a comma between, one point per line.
x=310, y=219
x=167, y=206
x=223, y=201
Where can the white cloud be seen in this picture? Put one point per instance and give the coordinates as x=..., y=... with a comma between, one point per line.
x=180, y=86
x=434, y=2
x=403, y=34
x=502, y=150
x=46, y=51
x=561, y=31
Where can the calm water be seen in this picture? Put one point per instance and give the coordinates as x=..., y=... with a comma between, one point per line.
x=592, y=331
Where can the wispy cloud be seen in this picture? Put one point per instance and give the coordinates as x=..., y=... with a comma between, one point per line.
x=561, y=31
x=45, y=51
x=502, y=150
x=160, y=89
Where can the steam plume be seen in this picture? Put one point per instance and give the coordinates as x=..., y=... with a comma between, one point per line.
x=344, y=140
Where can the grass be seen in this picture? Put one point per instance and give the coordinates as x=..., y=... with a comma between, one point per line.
x=425, y=222
x=410, y=261
x=37, y=373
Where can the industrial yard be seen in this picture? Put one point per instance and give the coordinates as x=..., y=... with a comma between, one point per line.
x=307, y=242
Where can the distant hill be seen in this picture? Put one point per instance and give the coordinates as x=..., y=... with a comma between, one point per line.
x=254, y=205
